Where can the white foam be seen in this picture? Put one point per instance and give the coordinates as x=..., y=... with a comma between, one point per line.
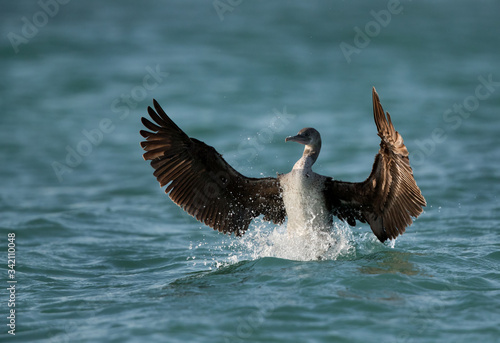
x=342, y=242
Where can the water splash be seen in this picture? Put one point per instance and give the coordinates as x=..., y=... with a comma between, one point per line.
x=315, y=245
x=339, y=243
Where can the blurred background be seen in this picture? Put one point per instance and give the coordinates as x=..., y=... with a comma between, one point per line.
x=92, y=223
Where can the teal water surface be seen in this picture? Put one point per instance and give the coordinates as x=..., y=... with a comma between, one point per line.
x=102, y=254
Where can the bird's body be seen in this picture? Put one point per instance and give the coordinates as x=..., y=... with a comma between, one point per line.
x=200, y=181
x=304, y=192
x=304, y=200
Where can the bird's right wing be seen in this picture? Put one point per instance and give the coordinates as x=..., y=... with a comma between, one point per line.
x=202, y=183
x=389, y=197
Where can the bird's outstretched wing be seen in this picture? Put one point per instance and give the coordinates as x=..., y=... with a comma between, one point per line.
x=389, y=197
x=202, y=183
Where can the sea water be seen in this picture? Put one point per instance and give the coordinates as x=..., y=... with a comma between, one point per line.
x=103, y=255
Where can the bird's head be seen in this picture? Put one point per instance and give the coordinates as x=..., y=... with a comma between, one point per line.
x=312, y=141
x=307, y=136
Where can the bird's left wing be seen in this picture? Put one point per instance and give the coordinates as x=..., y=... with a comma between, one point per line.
x=389, y=197
x=202, y=183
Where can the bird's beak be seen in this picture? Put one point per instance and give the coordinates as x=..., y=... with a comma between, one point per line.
x=299, y=139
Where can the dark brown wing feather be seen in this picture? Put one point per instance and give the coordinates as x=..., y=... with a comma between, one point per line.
x=389, y=197
x=202, y=183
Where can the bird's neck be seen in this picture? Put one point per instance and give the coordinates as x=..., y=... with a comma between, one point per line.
x=308, y=158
